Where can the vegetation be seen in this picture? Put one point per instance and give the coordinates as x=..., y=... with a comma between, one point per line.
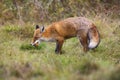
x=19, y=60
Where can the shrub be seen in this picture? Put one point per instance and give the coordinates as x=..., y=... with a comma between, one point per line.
x=115, y=74
x=25, y=31
x=86, y=67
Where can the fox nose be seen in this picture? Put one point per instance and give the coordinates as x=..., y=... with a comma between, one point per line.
x=32, y=44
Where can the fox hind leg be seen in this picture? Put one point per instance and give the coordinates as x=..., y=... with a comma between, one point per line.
x=84, y=43
x=83, y=40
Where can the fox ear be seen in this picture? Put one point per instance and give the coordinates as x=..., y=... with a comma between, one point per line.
x=42, y=29
x=37, y=26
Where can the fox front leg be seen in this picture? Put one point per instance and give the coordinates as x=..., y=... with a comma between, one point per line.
x=59, y=46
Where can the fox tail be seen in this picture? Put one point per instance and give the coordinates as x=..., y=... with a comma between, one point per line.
x=94, y=37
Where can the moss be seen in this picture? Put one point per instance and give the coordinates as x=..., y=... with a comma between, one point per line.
x=30, y=47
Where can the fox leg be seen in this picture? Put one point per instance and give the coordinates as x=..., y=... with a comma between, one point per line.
x=59, y=44
x=83, y=40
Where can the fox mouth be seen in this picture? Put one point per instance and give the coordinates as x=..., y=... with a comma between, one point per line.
x=32, y=44
x=37, y=42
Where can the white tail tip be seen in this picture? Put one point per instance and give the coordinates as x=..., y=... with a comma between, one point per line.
x=92, y=44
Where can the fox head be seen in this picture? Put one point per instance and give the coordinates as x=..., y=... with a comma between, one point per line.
x=37, y=34
x=43, y=34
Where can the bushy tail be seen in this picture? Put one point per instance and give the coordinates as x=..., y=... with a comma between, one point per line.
x=94, y=38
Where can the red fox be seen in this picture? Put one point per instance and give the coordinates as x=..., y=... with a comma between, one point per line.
x=58, y=32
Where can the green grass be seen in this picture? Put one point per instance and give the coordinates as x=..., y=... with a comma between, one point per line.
x=30, y=47
x=20, y=60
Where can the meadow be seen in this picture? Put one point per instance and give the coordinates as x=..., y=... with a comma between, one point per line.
x=20, y=61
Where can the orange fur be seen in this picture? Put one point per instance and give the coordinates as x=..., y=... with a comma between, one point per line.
x=79, y=27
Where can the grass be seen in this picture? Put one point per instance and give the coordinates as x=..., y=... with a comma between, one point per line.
x=29, y=47
x=19, y=60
